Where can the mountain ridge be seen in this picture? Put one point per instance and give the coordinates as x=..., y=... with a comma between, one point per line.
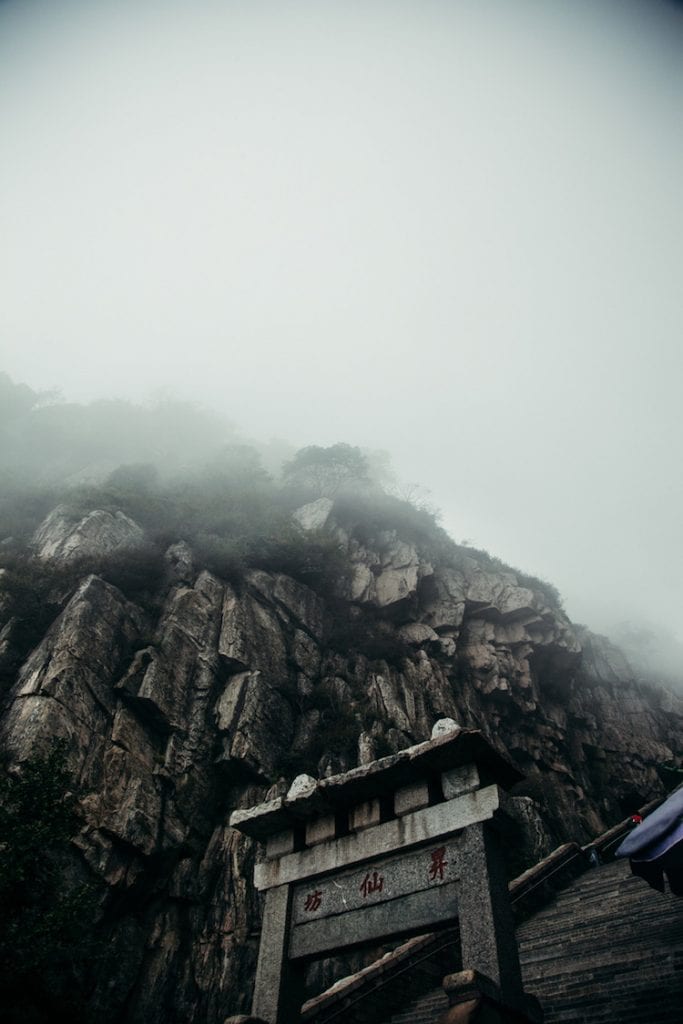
x=183, y=693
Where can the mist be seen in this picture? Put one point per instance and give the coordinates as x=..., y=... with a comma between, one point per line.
x=451, y=231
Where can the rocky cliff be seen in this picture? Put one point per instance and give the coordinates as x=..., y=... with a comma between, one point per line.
x=211, y=694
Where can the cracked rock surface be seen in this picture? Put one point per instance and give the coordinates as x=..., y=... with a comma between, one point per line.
x=219, y=694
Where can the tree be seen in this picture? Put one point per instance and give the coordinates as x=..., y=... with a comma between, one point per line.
x=43, y=943
x=327, y=470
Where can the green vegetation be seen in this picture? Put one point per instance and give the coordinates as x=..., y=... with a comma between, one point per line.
x=369, y=517
x=44, y=941
x=326, y=472
x=182, y=474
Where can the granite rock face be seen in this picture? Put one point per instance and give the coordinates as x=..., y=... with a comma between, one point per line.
x=218, y=695
x=64, y=539
x=388, y=574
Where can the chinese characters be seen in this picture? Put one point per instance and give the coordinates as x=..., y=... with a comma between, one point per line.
x=313, y=900
x=372, y=883
x=438, y=864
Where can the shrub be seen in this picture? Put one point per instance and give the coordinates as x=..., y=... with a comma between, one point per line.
x=369, y=516
x=315, y=558
x=223, y=556
x=327, y=470
x=136, y=571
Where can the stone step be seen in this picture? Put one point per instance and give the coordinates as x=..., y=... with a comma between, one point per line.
x=608, y=950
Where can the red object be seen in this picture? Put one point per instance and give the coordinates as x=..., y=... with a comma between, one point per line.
x=438, y=864
x=313, y=900
x=636, y=819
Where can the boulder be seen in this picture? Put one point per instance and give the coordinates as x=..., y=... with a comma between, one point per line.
x=64, y=540
x=315, y=515
x=444, y=599
x=388, y=575
x=417, y=633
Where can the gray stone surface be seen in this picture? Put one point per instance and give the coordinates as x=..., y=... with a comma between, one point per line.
x=444, y=727
x=278, y=991
x=417, y=633
x=464, y=985
x=411, y=798
x=388, y=774
x=364, y=815
x=388, y=575
x=100, y=532
x=422, y=826
x=301, y=786
x=162, y=737
x=315, y=515
x=456, y=781
x=405, y=916
x=378, y=881
x=487, y=934
x=280, y=843
x=320, y=830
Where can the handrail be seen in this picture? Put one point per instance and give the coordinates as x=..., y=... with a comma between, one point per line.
x=435, y=942
x=556, y=861
x=622, y=828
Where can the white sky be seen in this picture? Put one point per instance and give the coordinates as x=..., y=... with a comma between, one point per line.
x=453, y=230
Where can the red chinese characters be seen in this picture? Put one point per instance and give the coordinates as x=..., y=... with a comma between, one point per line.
x=372, y=883
x=313, y=900
x=438, y=864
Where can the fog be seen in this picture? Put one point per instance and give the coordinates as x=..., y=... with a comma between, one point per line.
x=453, y=231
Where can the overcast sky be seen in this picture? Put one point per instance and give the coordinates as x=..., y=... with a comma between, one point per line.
x=453, y=230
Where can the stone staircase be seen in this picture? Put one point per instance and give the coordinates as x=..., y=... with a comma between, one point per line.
x=607, y=950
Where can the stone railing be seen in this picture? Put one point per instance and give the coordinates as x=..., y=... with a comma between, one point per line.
x=396, y=968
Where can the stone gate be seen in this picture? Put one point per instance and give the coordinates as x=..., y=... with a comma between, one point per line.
x=407, y=844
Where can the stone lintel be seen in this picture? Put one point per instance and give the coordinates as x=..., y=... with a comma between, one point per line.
x=411, y=798
x=407, y=915
x=383, y=881
x=421, y=826
x=380, y=778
